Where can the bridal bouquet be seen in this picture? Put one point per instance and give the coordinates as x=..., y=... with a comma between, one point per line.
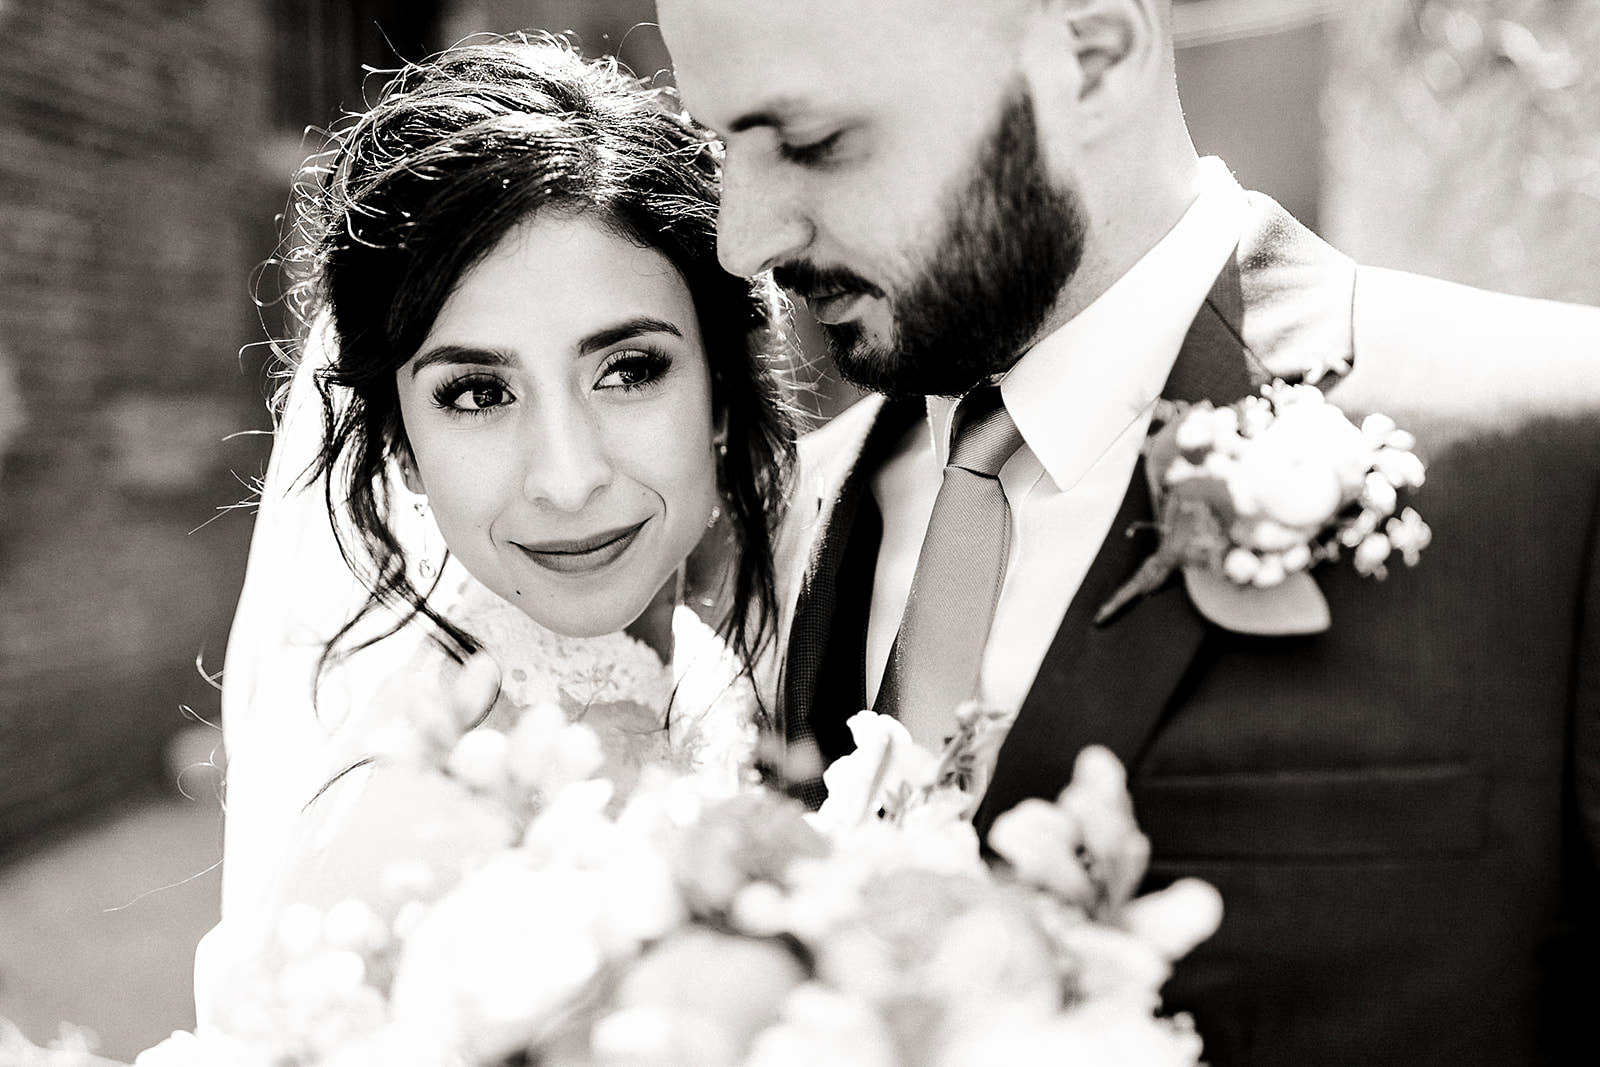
x=688, y=923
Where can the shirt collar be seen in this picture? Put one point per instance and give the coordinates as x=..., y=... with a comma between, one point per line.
x=1075, y=392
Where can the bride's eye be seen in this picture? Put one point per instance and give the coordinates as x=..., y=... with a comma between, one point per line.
x=471, y=394
x=633, y=370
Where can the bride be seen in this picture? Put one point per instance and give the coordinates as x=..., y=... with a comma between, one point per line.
x=535, y=423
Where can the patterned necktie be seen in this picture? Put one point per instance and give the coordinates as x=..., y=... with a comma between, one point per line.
x=933, y=665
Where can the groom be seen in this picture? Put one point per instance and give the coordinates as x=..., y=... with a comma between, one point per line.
x=1402, y=808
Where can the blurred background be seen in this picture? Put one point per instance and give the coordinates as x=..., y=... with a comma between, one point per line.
x=146, y=148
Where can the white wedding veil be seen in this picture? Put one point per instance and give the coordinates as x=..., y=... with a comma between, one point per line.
x=279, y=717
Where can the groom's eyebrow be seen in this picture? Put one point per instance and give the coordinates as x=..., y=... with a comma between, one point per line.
x=459, y=354
x=775, y=115
x=640, y=324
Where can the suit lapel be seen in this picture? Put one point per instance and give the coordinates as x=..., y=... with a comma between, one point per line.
x=814, y=608
x=1112, y=684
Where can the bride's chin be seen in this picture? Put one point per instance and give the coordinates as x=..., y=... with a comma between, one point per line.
x=581, y=625
x=600, y=613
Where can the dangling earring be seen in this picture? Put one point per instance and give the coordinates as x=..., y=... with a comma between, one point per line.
x=425, y=567
x=719, y=441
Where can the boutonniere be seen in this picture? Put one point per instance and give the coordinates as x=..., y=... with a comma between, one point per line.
x=1249, y=497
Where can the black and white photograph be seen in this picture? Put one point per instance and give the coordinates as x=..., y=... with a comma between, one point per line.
x=748, y=533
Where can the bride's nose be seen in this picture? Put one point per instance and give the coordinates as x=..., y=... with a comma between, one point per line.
x=566, y=461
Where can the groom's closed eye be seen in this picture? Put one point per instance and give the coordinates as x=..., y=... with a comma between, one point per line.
x=811, y=153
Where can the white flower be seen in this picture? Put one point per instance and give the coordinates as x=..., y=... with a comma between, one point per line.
x=933, y=836
x=1402, y=469
x=1288, y=397
x=1240, y=565
x=572, y=830
x=1320, y=431
x=1401, y=440
x=823, y=894
x=1175, y=919
x=481, y=759
x=1371, y=553
x=407, y=879
x=1040, y=842
x=1225, y=426
x=658, y=1036
x=495, y=960
x=822, y=1026
x=1181, y=470
x=885, y=763
x=352, y=926
x=760, y=909
x=1195, y=431
x=1255, y=415
x=728, y=985
x=994, y=956
x=310, y=984
x=546, y=753
x=1379, y=495
x=1271, y=572
x=1085, y=848
x=1376, y=428
x=1409, y=535
x=1116, y=965
x=398, y=1044
x=1295, y=558
x=206, y=1048
x=639, y=897
x=1091, y=1035
x=1267, y=535
x=1297, y=491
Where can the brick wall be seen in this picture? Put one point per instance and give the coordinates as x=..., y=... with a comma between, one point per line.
x=132, y=208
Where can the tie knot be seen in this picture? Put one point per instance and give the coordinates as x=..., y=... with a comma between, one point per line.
x=984, y=436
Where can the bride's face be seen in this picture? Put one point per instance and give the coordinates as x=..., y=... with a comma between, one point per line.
x=560, y=417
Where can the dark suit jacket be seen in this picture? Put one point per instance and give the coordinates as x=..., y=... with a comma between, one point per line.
x=1402, y=813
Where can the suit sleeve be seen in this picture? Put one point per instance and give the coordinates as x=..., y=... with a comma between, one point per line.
x=1586, y=724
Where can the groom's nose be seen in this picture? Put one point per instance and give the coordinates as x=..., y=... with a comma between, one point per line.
x=761, y=222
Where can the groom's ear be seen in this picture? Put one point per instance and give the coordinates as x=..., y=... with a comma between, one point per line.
x=1096, y=59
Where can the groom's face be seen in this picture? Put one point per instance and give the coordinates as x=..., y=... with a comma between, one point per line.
x=883, y=160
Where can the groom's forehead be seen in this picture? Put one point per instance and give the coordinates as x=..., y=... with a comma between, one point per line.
x=738, y=62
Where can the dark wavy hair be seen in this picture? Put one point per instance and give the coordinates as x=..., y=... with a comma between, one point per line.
x=414, y=192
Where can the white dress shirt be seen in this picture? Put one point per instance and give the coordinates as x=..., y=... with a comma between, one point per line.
x=1082, y=399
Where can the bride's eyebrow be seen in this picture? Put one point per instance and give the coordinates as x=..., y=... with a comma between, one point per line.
x=622, y=331
x=459, y=354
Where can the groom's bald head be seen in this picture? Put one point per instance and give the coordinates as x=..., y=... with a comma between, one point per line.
x=856, y=130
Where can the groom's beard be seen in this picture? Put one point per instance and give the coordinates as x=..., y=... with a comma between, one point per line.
x=1011, y=242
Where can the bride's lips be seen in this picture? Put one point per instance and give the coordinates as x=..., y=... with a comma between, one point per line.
x=834, y=308
x=585, y=554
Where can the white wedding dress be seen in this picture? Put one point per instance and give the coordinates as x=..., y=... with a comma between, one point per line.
x=288, y=733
